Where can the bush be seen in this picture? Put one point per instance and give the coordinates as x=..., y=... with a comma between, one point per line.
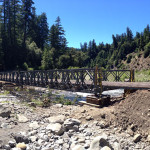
x=129, y=59
x=25, y=66
x=147, y=50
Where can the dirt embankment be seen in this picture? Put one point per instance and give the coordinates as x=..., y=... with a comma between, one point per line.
x=133, y=113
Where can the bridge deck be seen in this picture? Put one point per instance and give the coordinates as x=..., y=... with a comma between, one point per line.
x=127, y=85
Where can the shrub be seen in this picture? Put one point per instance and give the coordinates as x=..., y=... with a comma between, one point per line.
x=129, y=59
x=25, y=66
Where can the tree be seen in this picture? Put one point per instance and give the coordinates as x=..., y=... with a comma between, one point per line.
x=57, y=37
x=115, y=44
x=129, y=34
x=47, y=60
x=26, y=17
x=42, y=31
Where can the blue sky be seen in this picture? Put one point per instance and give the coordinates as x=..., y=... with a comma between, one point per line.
x=85, y=20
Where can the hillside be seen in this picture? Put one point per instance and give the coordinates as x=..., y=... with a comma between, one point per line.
x=137, y=61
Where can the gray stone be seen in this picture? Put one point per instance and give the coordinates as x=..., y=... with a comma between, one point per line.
x=60, y=141
x=20, y=138
x=56, y=119
x=34, y=125
x=72, y=122
x=22, y=118
x=103, y=124
x=33, y=138
x=137, y=138
x=88, y=118
x=81, y=140
x=148, y=138
x=105, y=148
x=5, y=111
x=16, y=148
x=59, y=105
x=99, y=142
x=7, y=147
x=56, y=128
x=78, y=147
x=12, y=144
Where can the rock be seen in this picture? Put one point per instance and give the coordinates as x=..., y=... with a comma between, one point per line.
x=4, y=111
x=83, y=111
x=99, y=142
x=60, y=141
x=32, y=104
x=103, y=124
x=16, y=148
x=34, y=125
x=12, y=144
x=78, y=147
x=72, y=124
x=5, y=126
x=21, y=145
x=33, y=138
x=20, y=138
x=103, y=116
x=81, y=140
x=59, y=105
x=105, y=148
x=137, y=138
x=56, y=128
x=88, y=118
x=116, y=146
x=7, y=147
x=56, y=119
x=22, y=118
x=148, y=138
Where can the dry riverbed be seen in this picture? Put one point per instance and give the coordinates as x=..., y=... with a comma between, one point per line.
x=122, y=126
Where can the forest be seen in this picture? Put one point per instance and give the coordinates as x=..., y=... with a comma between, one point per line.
x=28, y=43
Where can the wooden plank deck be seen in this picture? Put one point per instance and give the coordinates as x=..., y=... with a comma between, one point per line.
x=127, y=85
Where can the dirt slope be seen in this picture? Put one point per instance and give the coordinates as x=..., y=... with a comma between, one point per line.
x=134, y=112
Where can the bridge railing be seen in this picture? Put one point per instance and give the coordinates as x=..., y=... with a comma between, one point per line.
x=77, y=79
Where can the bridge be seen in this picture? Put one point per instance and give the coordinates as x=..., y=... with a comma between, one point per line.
x=87, y=80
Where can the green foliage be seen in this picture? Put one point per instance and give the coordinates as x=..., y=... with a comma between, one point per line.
x=64, y=101
x=5, y=93
x=147, y=50
x=129, y=58
x=142, y=76
x=26, y=42
x=25, y=66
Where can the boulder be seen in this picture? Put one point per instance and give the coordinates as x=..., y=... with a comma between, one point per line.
x=56, y=128
x=33, y=138
x=137, y=138
x=12, y=144
x=34, y=125
x=20, y=138
x=99, y=142
x=22, y=118
x=72, y=124
x=56, y=119
x=4, y=111
x=148, y=138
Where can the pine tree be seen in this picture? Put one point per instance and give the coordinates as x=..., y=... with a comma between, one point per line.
x=129, y=35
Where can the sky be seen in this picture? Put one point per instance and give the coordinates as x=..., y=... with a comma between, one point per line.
x=85, y=20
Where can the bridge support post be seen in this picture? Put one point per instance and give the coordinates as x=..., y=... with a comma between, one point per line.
x=132, y=75
x=95, y=81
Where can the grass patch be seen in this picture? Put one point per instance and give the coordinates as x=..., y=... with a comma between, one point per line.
x=142, y=76
x=5, y=92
